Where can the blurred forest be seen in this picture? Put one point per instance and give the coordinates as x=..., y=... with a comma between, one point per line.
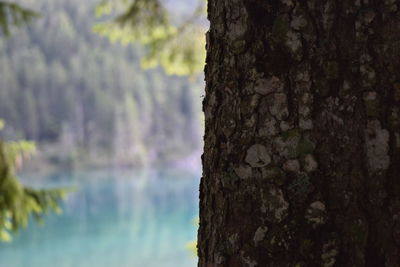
x=86, y=101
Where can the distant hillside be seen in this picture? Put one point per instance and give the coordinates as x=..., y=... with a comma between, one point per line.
x=88, y=102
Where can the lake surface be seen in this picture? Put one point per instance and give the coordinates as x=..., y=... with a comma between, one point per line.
x=115, y=219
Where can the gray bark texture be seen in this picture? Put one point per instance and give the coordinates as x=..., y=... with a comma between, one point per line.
x=301, y=165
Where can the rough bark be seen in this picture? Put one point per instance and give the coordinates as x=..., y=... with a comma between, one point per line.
x=302, y=145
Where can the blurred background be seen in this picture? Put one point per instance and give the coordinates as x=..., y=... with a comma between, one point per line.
x=127, y=139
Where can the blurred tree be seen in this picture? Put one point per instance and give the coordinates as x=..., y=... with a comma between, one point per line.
x=79, y=79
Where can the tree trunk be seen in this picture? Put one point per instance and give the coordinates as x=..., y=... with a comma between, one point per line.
x=302, y=145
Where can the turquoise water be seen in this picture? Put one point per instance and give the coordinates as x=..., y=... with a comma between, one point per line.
x=115, y=219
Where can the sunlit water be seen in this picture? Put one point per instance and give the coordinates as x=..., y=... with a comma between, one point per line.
x=115, y=219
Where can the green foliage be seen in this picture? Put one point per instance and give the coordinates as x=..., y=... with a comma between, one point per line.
x=178, y=46
x=12, y=14
x=192, y=245
x=19, y=148
x=18, y=202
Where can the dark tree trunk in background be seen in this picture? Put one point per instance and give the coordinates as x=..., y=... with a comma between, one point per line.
x=302, y=143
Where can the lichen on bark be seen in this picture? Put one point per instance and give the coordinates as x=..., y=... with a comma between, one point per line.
x=302, y=141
